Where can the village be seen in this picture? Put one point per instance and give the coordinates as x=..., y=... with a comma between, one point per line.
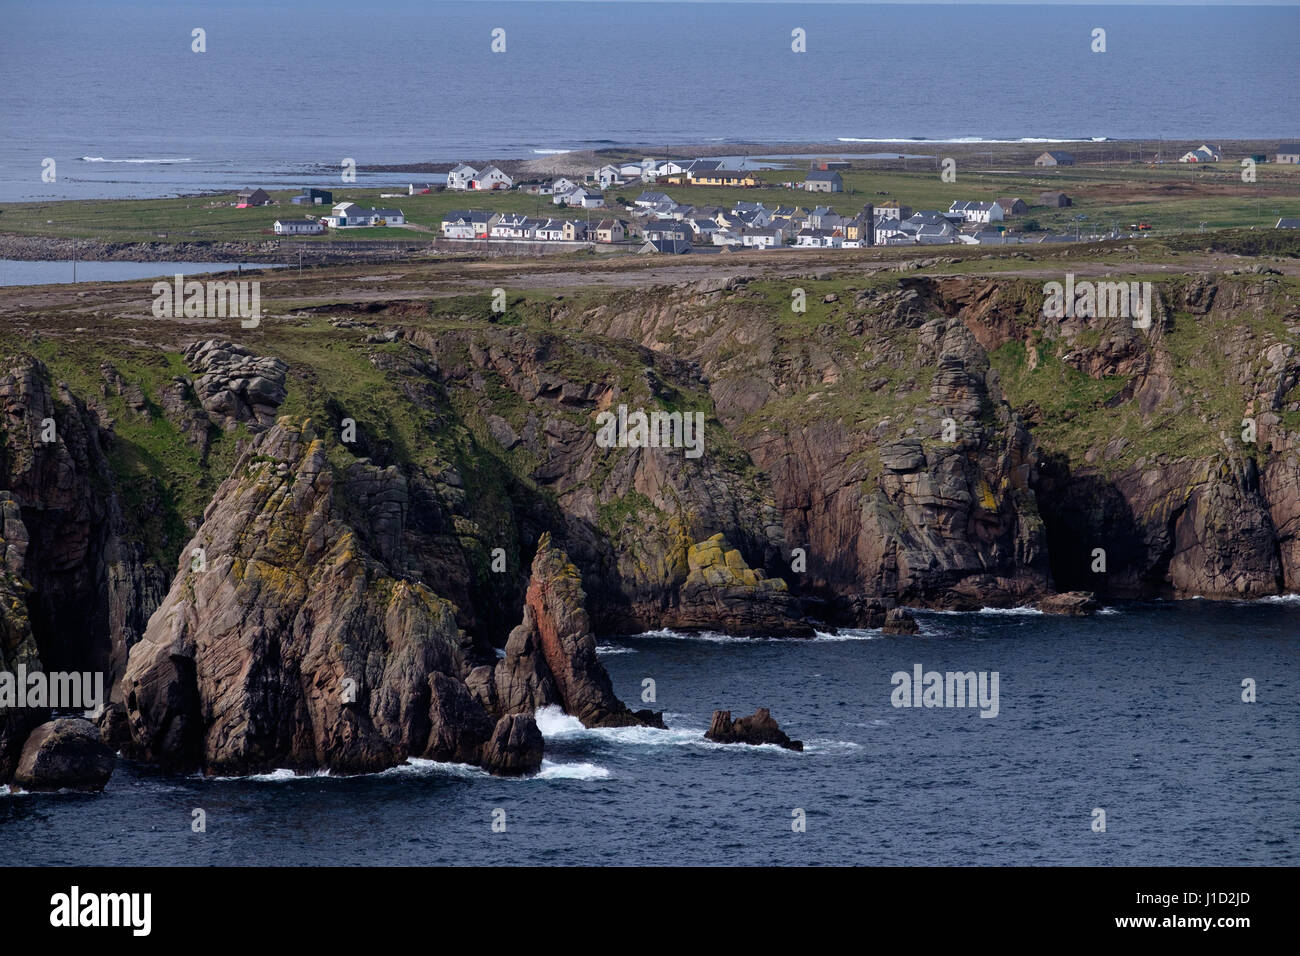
x=662, y=218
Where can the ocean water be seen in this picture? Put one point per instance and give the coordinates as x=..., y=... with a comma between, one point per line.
x=112, y=91
x=56, y=272
x=1137, y=711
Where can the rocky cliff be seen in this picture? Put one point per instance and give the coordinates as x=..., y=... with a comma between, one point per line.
x=348, y=502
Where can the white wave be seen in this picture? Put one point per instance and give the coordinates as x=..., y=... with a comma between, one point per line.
x=920, y=141
x=830, y=746
x=551, y=152
x=280, y=775
x=1110, y=610
x=420, y=767
x=717, y=637
x=1280, y=599
x=850, y=634
x=571, y=771
x=4, y=790
x=552, y=721
x=994, y=611
x=101, y=159
x=606, y=649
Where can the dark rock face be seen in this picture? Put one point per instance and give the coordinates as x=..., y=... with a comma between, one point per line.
x=757, y=728
x=297, y=647
x=515, y=747
x=1069, y=604
x=551, y=657
x=65, y=754
x=87, y=584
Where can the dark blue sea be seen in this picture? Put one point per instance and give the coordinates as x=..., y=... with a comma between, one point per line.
x=112, y=91
x=1137, y=712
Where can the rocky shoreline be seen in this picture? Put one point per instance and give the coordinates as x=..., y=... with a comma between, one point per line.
x=305, y=549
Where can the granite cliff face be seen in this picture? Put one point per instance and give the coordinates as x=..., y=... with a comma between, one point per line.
x=375, y=498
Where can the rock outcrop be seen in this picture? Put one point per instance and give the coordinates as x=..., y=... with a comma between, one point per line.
x=65, y=754
x=235, y=384
x=515, y=747
x=551, y=657
x=1069, y=604
x=721, y=592
x=757, y=728
x=297, y=647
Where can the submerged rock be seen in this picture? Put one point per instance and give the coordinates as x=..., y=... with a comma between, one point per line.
x=899, y=620
x=65, y=754
x=758, y=728
x=1070, y=603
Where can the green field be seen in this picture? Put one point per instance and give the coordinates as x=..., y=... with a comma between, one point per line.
x=1172, y=198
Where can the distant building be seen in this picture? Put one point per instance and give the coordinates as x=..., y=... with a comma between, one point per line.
x=831, y=164
x=461, y=176
x=972, y=211
x=469, y=223
x=823, y=181
x=1285, y=223
x=574, y=230
x=1202, y=154
x=252, y=197
x=1055, y=200
x=490, y=178
x=670, y=246
x=1288, y=153
x=648, y=199
x=298, y=227
x=668, y=230
x=314, y=197
x=892, y=209
x=1054, y=157
x=610, y=230
x=1013, y=207
x=721, y=177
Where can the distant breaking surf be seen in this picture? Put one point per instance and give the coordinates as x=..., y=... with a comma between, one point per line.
x=101, y=159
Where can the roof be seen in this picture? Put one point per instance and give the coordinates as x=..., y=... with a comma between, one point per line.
x=605, y=224
x=386, y=213
x=823, y=175
x=1288, y=147
x=296, y=222
x=1286, y=223
x=1058, y=155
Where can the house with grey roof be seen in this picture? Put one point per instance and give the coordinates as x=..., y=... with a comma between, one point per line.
x=1288, y=153
x=461, y=176
x=1055, y=157
x=823, y=181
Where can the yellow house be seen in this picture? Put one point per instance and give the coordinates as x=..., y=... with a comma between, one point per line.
x=722, y=177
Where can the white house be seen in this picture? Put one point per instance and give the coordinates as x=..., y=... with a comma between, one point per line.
x=972, y=211
x=579, y=197
x=298, y=227
x=552, y=230
x=461, y=176
x=490, y=178
x=387, y=217
x=346, y=215
x=1204, y=153
x=469, y=223
x=762, y=238
x=649, y=199
x=511, y=225
x=608, y=175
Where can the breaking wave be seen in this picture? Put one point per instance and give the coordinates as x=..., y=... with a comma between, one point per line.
x=163, y=162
